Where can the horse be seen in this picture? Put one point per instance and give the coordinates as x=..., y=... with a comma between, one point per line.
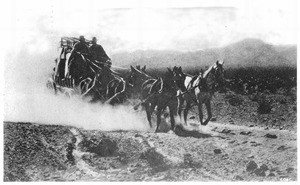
x=128, y=85
x=199, y=89
x=161, y=93
x=141, y=81
x=137, y=78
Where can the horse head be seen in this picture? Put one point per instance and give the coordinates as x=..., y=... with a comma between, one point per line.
x=137, y=77
x=143, y=69
x=179, y=77
x=169, y=83
x=219, y=73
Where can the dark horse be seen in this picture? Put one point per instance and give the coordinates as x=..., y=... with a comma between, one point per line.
x=199, y=89
x=161, y=93
x=130, y=88
x=142, y=83
x=137, y=78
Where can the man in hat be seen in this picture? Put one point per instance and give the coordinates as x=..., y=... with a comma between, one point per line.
x=98, y=53
x=82, y=46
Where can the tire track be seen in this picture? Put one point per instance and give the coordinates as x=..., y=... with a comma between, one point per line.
x=79, y=162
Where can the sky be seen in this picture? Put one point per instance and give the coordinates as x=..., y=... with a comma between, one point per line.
x=31, y=31
x=128, y=25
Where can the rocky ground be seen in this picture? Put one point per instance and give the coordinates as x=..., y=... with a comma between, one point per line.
x=280, y=109
x=239, y=144
x=217, y=152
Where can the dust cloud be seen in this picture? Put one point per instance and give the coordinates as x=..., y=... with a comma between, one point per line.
x=26, y=98
x=50, y=109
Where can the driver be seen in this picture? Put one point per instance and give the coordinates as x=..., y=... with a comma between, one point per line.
x=82, y=46
x=98, y=52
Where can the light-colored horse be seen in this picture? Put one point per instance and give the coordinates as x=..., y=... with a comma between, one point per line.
x=199, y=89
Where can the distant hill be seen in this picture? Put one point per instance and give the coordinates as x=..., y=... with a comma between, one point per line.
x=248, y=52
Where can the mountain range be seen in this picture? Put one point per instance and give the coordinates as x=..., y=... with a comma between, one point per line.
x=246, y=53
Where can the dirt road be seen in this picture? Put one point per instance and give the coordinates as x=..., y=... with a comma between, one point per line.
x=216, y=152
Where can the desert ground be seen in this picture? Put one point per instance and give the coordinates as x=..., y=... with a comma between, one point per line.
x=227, y=149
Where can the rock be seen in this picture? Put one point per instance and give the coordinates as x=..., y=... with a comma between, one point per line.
x=284, y=178
x=289, y=170
x=251, y=125
x=251, y=166
x=273, y=136
x=282, y=148
x=217, y=151
x=238, y=178
x=271, y=175
x=225, y=131
x=279, y=172
x=245, y=133
x=260, y=172
x=235, y=101
x=214, y=129
x=213, y=119
x=256, y=144
x=264, y=167
x=138, y=135
x=250, y=156
x=187, y=159
x=225, y=156
x=132, y=170
x=137, y=165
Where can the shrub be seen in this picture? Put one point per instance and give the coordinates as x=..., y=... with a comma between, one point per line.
x=235, y=101
x=264, y=107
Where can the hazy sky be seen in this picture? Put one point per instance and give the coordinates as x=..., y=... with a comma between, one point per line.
x=31, y=32
x=127, y=25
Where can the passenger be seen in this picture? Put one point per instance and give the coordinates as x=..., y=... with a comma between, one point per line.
x=82, y=46
x=98, y=53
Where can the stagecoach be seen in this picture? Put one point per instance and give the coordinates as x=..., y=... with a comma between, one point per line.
x=76, y=73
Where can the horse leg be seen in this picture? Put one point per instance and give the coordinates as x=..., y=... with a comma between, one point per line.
x=152, y=107
x=180, y=105
x=172, y=113
x=55, y=89
x=209, y=114
x=149, y=113
x=158, y=115
x=185, y=112
x=200, y=112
